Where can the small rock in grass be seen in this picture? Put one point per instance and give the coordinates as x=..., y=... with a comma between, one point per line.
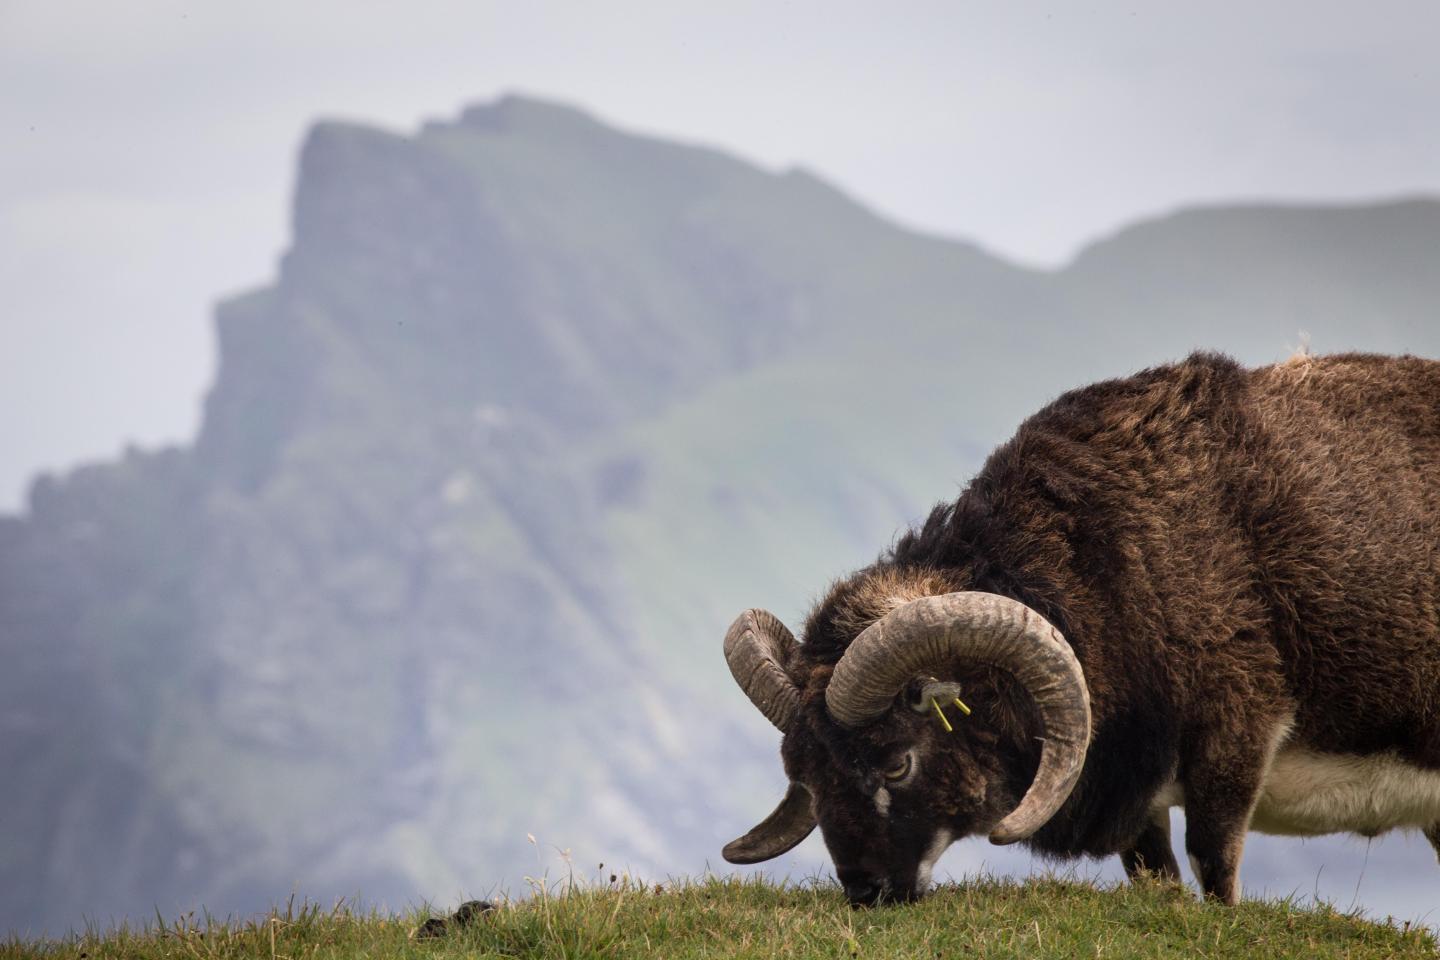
x=464, y=915
x=470, y=911
x=434, y=927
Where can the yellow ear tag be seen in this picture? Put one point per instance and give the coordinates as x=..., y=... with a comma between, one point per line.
x=963, y=709
x=941, y=714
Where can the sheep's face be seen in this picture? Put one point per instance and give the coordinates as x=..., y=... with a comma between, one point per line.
x=879, y=753
x=889, y=799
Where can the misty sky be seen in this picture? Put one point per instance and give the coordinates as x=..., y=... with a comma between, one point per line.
x=147, y=149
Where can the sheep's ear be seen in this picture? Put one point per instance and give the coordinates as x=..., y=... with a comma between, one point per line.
x=920, y=693
x=790, y=823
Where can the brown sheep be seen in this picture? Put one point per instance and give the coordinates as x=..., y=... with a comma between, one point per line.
x=1200, y=586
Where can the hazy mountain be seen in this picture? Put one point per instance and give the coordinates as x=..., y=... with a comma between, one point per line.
x=532, y=409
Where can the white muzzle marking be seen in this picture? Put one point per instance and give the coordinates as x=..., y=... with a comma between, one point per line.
x=941, y=843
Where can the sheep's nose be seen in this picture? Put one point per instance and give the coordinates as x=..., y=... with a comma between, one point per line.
x=862, y=893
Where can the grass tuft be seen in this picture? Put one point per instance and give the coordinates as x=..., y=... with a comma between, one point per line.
x=734, y=917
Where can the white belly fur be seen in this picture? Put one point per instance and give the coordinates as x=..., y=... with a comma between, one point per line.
x=1308, y=793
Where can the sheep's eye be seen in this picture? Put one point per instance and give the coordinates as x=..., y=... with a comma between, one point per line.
x=900, y=770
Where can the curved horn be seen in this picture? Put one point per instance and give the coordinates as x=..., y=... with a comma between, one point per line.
x=923, y=635
x=756, y=647
x=790, y=823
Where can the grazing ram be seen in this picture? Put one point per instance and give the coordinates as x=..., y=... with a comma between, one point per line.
x=1200, y=586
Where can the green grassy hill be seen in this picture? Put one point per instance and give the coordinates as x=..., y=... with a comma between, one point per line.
x=752, y=918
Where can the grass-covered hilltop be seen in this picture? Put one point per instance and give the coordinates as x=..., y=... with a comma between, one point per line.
x=755, y=919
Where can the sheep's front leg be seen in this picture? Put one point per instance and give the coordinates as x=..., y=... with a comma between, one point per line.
x=1223, y=776
x=1216, y=818
x=1152, y=853
x=1432, y=833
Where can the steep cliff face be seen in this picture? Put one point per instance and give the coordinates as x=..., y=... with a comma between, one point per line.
x=531, y=410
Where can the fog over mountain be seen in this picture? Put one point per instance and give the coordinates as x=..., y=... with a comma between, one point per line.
x=532, y=409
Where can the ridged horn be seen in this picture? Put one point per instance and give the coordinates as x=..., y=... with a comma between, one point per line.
x=756, y=647
x=924, y=635
x=790, y=823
